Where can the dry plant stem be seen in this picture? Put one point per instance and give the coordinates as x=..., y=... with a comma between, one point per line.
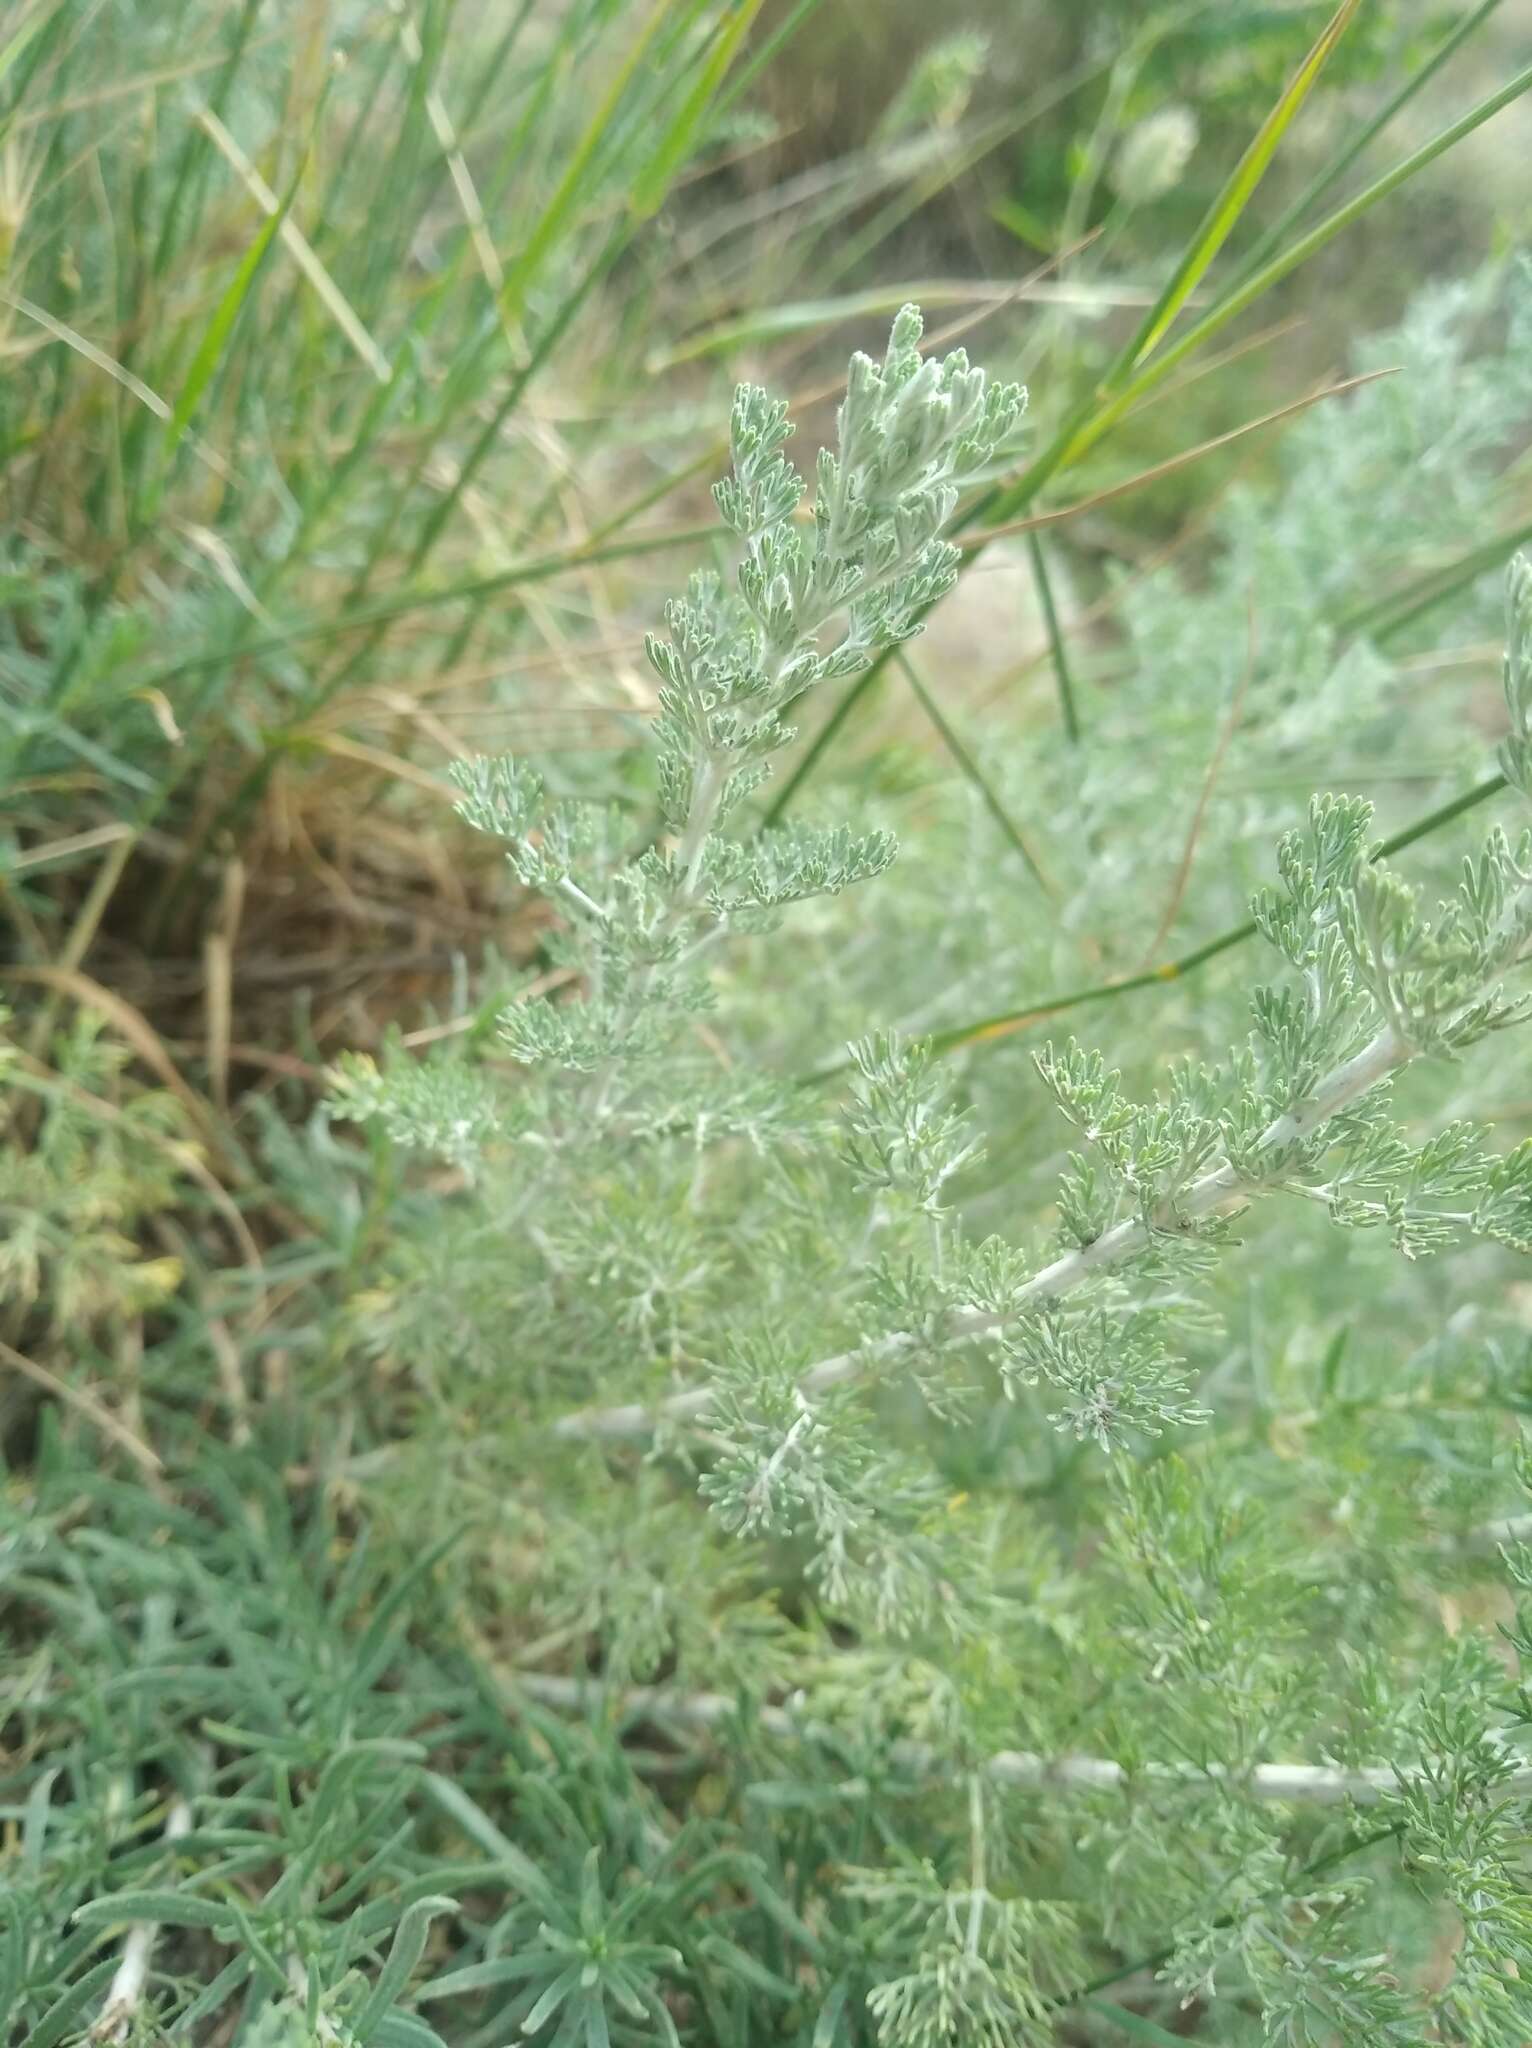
x=1217, y=1191
x=84, y=1404
x=977, y=542
x=297, y=246
x=1312, y=1784
x=126, y=1991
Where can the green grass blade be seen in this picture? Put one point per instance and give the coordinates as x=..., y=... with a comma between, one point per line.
x=63, y=2015
x=669, y=153
x=538, y=569
x=843, y=254
x=557, y=213
x=515, y=392
x=615, y=242
x=1134, y=2025
x=809, y=316
x=767, y=54
x=1006, y=1022
x=973, y=771
x=484, y=83
x=210, y=350
x=649, y=193
x=1256, y=286
x=436, y=521
x=1390, y=614
x=404, y=1953
x=1226, y=210
x=12, y=48
x=1061, y=676
x=195, y=146
x=1331, y=173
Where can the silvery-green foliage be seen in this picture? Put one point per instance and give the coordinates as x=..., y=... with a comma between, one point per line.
x=1110, y=1372
x=1285, y=611
x=872, y=559
x=790, y=1375
x=1391, y=473
x=1273, y=624
x=873, y=1524
x=449, y=1109
x=1300, y=1110
x=901, y=1136
x=979, y=1968
x=810, y=602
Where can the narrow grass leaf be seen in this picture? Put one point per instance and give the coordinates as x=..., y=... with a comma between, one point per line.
x=537, y=570
x=1281, y=266
x=297, y=245
x=488, y=1976
x=404, y=2030
x=210, y=350
x=767, y=54
x=1063, y=680
x=477, y=1825
x=405, y=1952
x=971, y=769
x=1006, y=1022
x=811, y=316
x=557, y=213
x=1224, y=214
x=98, y=357
x=61, y=2017
x=12, y=48
x=675, y=146
x=1332, y=172
x=168, y=1909
x=1398, y=609
x=1134, y=2025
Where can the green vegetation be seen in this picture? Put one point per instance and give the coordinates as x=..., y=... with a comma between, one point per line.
x=610, y=1432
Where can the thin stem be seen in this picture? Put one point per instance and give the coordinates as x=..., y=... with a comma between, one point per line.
x=1025, y=1770
x=760, y=1492
x=577, y=895
x=707, y=794
x=1056, y=652
x=84, y=1403
x=126, y=1991
x=1379, y=1212
x=976, y=1861
x=1005, y=1022
x=974, y=772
